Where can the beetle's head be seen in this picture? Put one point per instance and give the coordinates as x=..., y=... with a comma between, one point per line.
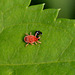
x=38, y=33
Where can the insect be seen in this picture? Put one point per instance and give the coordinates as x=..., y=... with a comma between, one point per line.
x=31, y=38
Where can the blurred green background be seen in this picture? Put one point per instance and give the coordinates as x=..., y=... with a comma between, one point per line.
x=67, y=7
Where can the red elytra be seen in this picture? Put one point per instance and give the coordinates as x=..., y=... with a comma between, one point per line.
x=31, y=39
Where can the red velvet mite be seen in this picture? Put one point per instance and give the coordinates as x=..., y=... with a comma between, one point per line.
x=31, y=39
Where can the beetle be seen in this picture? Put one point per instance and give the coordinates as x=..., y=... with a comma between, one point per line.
x=31, y=39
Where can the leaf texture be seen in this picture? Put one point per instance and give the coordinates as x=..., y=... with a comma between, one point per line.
x=54, y=56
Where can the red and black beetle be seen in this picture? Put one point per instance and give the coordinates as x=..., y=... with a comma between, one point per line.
x=32, y=39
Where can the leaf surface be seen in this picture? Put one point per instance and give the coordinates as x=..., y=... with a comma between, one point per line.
x=56, y=53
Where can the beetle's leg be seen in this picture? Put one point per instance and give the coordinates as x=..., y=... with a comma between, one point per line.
x=27, y=44
x=26, y=34
x=32, y=44
x=35, y=43
x=30, y=33
x=38, y=42
x=35, y=34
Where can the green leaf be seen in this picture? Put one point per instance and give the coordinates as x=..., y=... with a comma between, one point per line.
x=55, y=55
x=69, y=25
